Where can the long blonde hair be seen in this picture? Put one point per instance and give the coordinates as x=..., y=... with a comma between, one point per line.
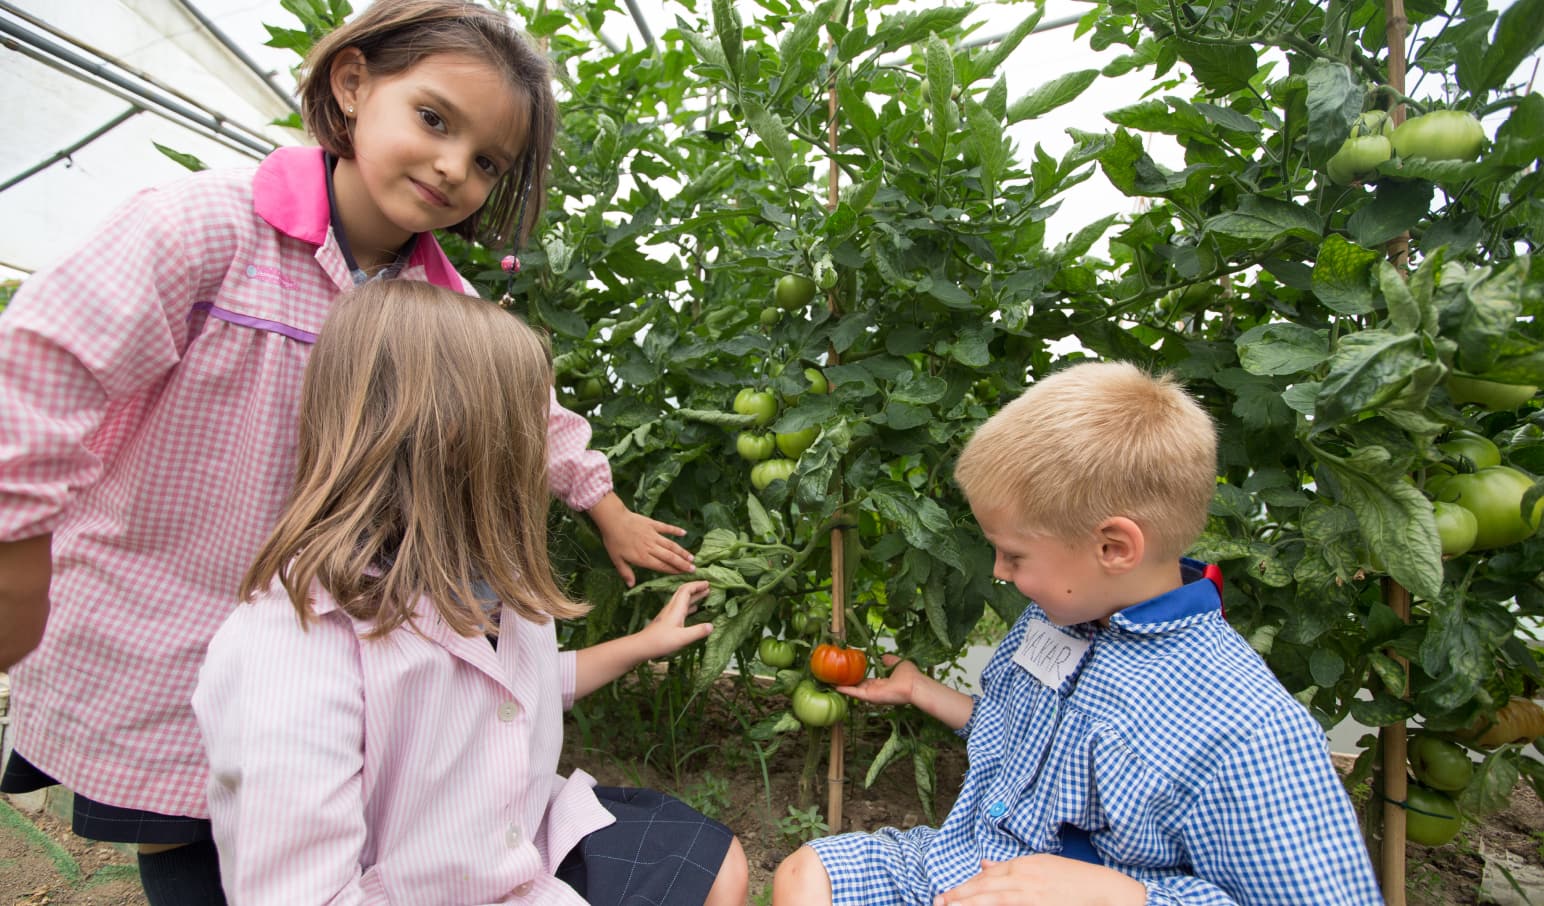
x=422, y=464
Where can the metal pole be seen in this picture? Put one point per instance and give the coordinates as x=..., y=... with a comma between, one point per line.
x=241, y=55
x=63, y=153
x=213, y=123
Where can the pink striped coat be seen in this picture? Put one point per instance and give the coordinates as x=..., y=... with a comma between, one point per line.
x=148, y=392
x=417, y=768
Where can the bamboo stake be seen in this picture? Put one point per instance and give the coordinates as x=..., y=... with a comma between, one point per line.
x=1391, y=847
x=836, y=767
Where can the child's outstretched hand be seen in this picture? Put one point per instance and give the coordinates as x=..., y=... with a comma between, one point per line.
x=633, y=539
x=895, y=688
x=668, y=633
x=1045, y=879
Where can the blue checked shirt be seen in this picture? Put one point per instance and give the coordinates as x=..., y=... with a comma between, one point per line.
x=1171, y=744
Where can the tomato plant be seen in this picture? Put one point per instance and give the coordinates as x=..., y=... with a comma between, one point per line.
x=794, y=291
x=816, y=707
x=1439, y=763
x=754, y=447
x=1471, y=451
x=1331, y=361
x=1431, y=817
x=759, y=403
x=764, y=473
x=1457, y=528
x=1495, y=497
x=1439, y=135
x=1358, y=158
x=776, y=653
x=837, y=665
x=1495, y=395
x=792, y=443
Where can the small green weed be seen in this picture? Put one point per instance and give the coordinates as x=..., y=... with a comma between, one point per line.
x=802, y=825
x=709, y=794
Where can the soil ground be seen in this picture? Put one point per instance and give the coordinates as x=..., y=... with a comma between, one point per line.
x=706, y=761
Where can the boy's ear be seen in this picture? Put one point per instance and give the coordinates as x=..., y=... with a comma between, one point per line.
x=1121, y=544
x=347, y=77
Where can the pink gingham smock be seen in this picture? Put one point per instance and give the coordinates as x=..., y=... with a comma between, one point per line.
x=148, y=392
x=416, y=768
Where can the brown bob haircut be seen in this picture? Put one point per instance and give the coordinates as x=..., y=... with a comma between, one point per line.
x=393, y=36
x=421, y=465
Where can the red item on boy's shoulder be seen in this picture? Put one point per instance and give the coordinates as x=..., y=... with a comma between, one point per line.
x=1214, y=572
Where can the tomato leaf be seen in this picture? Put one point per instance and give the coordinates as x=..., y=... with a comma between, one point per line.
x=1342, y=276
x=1519, y=32
x=1063, y=89
x=729, y=633
x=1334, y=102
x=893, y=748
x=1282, y=348
x=1394, y=209
x=1396, y=518
x=1265, y=219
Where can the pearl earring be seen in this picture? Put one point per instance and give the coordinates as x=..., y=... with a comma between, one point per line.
x=351, y=110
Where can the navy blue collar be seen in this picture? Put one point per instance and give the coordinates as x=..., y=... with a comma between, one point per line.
x=1196, y=597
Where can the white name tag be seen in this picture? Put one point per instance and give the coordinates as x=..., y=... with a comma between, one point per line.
x=1050, y=655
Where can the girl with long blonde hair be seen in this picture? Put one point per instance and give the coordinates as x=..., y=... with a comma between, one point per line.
x=366, y=742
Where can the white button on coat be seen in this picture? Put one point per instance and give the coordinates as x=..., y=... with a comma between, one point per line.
x=508, y=711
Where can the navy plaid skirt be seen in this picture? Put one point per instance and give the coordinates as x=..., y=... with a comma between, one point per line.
x=100, y=821
x=660, y=850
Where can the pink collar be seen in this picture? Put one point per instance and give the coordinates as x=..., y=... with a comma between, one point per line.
x=290, y=193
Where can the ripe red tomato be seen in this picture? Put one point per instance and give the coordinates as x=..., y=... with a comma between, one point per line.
x=838, y=666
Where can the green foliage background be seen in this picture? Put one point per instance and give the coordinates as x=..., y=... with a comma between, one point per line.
x=692, y=174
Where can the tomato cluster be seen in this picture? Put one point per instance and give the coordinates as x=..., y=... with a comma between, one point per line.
x=1478, y=501
x=759, y=447
x=1374, y=139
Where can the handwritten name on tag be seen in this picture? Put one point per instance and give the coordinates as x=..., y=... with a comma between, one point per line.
x=1050, y=655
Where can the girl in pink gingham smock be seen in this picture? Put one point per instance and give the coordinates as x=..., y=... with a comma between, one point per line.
x=366, y=743
x=148, y=388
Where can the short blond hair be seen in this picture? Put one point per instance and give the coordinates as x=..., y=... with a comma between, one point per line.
x=421, y=469
x=1094, y=441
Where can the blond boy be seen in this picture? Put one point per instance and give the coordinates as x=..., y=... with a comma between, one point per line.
x=1127, y=745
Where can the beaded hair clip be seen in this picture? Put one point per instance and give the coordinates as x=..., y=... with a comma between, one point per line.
x=510, y=263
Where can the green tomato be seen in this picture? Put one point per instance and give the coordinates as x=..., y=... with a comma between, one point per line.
x=776, y=653
x=794, y=291
x=793, y=443
x=1488, y=394
x=1439, y=135
x=589, y=390
x=754, y=447
x=760, y=403
x=818, y=382
x=818, y=708
x=1358, y=158
x=1495, y=497
x=1373, y=122
x=1467, y=447
x=1440, y=764
x=1456, y=527
x=1431, y=818
x=770, y=316
x=764, y=473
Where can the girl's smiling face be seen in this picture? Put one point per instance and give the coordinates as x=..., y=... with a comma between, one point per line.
x=430, y=144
